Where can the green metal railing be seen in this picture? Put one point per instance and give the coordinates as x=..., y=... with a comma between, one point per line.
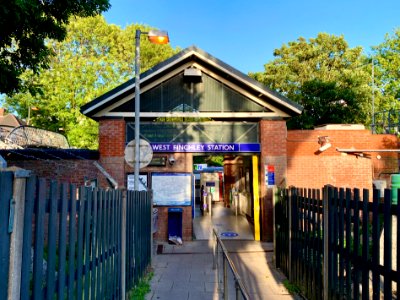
x=227, y=282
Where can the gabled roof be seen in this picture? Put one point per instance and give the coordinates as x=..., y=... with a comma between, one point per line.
x=276, y=105
x=11, y=121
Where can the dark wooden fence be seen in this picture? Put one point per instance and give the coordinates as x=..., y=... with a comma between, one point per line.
x=138, y=236
x=71, y=240
x=6, y=190
x=348, y=257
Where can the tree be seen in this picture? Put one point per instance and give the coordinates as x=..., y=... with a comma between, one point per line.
x=326, y=61
x=324, y=103
x=94, y=58
x=24, y=28
x=387, y=76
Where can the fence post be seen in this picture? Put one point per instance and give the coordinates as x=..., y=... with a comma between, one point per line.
x=274, y=200
x=325, y=267
x=14, y=275
x=152, y=249
x=123, y=245
x=291, y=191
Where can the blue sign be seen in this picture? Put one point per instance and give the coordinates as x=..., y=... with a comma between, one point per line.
x=229, y=234
x=271, y=178
x=205, y=147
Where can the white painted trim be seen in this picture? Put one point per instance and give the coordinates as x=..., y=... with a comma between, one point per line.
x=195, y=115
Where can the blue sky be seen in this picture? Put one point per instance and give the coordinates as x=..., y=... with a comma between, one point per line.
x=244, y=34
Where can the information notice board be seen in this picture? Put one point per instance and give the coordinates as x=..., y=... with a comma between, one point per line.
x=172, y=189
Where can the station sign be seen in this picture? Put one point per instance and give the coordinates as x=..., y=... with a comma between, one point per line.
x=206, y=147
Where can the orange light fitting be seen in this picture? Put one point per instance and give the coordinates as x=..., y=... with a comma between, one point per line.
x=158, y=37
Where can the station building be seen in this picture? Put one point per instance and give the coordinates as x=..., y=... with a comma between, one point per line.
x=193, y=104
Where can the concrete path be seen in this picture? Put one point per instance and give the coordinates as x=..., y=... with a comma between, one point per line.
x=186, y=272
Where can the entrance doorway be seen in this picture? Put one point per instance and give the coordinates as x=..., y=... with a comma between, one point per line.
x=223, y=197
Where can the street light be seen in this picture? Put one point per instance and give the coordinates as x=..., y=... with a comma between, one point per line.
x=30, y=108
x=156, y=37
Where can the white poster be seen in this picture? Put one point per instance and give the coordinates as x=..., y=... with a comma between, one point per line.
x=172, y=188
x=142, y=182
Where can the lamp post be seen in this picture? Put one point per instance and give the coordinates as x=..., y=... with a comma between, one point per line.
x=30, y=108
x=156, y=37
x=373, y=96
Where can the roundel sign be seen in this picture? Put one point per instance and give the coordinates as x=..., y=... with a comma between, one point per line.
x=145, y=153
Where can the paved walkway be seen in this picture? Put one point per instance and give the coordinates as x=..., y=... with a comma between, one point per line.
x=186, y=271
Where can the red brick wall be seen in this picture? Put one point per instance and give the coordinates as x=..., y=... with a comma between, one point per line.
x=183, y=163
x=112, y=137
x=112, y=147
x=273, y=152
x=307, y=167
x=162, y=224
x=71, y=171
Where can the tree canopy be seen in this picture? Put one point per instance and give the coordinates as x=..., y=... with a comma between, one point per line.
x=387, y=71
x=94, y=58
x=317, y=73
x=24, y=28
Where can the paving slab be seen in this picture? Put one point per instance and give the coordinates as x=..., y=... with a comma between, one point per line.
x=186, y=271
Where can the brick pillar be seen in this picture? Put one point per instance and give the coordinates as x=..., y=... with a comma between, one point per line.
x=112, y=147
x=273, y=152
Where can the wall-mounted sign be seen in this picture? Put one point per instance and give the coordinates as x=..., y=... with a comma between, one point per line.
x=130, y=182
x=145, y=153
x=199, y=167
x=206, y=147
x=158, y=161
x=171, y=188
x=269, y=175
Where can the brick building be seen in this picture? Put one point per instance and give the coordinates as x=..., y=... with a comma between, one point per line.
x=194, y=104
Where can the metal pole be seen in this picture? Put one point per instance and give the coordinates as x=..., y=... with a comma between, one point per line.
x=225, y=277
x=29, y=115
x=137, y=109
x=373, y=97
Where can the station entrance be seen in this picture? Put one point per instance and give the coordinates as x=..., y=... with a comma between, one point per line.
x=223, y=197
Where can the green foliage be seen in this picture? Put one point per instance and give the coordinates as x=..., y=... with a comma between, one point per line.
x=324, y=65
x=387, y=75
x=141, y=289
x=24, y=28
x=326, y=103
x=291, y=287
x=211, y=160
x=94, y=58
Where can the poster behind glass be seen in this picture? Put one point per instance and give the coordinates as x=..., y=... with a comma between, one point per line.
x=172, y=189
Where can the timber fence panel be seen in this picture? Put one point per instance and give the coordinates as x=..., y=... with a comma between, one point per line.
x=6, y=197
x=360, y=235
x=94, y=256
x=80, y=241
x=387, y=252
x=98, y=242
x=375, y=246
x=30, y=193
x=86, y=241
x=72, y=237
x=365, y=246
x=62, y=246
x=71, y=240
x=39, y=241
x=52, y=239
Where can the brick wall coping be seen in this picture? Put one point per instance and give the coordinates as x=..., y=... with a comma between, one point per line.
x=50, y=154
